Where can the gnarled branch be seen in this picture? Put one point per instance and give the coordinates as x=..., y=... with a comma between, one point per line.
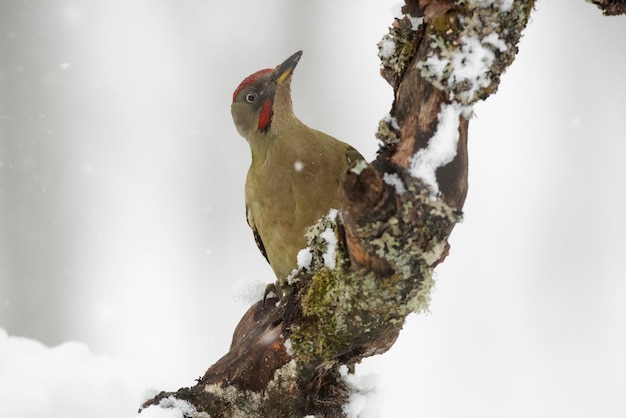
x=373, y=265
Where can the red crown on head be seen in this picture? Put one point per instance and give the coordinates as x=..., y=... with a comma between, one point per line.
x=251, y=79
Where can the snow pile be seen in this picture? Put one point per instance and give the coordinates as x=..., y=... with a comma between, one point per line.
x=441, y=147
x=70, y=381
x=330, y=237
x=331, y=250
x=366, y=399
x=466, y=70
x=305, y=257
x=248, y=291
x=169, y=408
x=387, y=48
x=394, y=181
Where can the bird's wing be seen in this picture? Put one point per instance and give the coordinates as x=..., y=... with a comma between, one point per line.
x=255, y=232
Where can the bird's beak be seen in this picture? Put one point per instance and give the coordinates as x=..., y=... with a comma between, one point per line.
x=284, y=70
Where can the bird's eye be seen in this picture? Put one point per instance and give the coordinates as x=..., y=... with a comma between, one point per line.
x=251, y=97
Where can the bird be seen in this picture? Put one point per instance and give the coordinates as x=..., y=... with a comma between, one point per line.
x=295, y=171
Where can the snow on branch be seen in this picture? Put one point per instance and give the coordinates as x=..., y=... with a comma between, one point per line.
x=468, y=50
x=441, y=148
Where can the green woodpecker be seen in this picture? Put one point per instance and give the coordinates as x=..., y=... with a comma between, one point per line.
x=295, y=172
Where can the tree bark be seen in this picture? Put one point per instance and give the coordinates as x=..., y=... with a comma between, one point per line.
x=286, y=354
x=610, y=7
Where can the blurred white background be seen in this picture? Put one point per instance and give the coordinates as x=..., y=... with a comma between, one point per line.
x=122, y=221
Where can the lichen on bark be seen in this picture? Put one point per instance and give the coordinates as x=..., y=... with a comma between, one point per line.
x=469, y=28
x=349, y=314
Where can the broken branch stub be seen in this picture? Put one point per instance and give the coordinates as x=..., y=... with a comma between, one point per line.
x=610, y=7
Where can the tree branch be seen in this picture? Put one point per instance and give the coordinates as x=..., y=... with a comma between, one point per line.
x=372, y=266
x=610, y=7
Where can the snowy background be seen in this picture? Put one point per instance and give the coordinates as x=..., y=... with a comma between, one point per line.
x=122, y=221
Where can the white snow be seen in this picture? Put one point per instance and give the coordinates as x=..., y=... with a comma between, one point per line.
x=332, y=214
x=393, y=180
x=505, y=5
x=366, y=399
x=331, y=250
x=387, y=48
x=495, y=40
x=441, y=148
x=391, y=121
x=169, y=408
x=304, y=258
x=331, y=241
x=288, y=348
x=472, y=64
x=248, y=291
x=415, y=21
x=469, y=65
x=70, y=381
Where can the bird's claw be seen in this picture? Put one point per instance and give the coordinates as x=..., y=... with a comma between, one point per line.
x=272, y=289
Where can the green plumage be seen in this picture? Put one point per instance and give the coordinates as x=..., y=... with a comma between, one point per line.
x=295, y=172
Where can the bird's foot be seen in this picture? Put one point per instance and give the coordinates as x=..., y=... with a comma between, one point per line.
x=272, y=289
